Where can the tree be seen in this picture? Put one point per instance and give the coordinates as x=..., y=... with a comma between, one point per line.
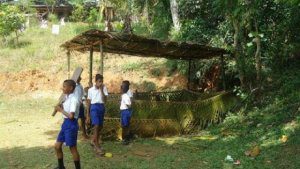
x=175, y=14
x=11, y=20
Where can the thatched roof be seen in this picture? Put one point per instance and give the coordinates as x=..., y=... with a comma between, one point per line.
x=131, y=44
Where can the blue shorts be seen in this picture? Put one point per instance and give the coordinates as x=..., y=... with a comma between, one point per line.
x=125, y=117
x=97, y=114
x=68, y=132
x=81, y=111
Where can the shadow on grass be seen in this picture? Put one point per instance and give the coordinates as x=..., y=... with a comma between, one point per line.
x=202, y=151
x=23, y=157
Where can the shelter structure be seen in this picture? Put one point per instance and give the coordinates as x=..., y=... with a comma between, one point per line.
x=169, y=112
x=130, y=44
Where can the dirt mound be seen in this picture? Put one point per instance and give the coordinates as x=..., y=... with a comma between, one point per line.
x=27, y=81
x=37, y=80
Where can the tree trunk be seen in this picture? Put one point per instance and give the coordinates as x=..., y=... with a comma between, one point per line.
x=238, y=51
x=127, y=20
x=127, y=24
x=258, y=65
x=175, y=15
x=17, y=36
x=146, y=12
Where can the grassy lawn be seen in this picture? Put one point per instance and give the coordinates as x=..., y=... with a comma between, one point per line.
x=28, y=133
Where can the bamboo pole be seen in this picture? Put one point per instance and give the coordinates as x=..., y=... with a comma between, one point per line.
x=101, y=68
x=91, y=65
x=69, y=64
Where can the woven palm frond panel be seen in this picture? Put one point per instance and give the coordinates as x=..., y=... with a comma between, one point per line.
x=142, y=127
x=190, y=115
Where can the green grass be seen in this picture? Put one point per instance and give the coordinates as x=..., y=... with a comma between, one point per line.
x=28, y=133
x=38, y=48
x=131, y=66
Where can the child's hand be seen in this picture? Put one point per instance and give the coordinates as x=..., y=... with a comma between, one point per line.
x=59, y=108
x=101, y=86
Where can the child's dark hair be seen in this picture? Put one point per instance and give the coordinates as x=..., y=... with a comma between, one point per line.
x=125, y=87
x=98, y=76
x=71, y=83
x=126, y=82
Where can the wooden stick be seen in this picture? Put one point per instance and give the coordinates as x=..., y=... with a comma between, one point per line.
x=75, y=77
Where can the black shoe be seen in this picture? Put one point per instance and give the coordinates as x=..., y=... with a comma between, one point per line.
x=59, y=168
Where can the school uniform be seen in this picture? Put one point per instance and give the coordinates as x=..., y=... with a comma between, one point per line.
x=97, y=108
x=78, y=92
x=129, y=93
x=69, y=128
x=125, y=110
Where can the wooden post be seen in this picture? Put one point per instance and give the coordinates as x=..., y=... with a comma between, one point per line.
x=91, y=65
x=189, y=75
x=101, y=68
x=223, y=72
x=69, y=58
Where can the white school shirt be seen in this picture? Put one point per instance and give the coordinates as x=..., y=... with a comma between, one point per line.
x=125, y=101
x=94, y=94
x=78, y=92
x=71, y=104
x=129, y=93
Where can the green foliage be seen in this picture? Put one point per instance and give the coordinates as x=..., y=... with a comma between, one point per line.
x=148, y=86
x=11, y=20
x=131, y=66
x=161, y=21
x=177, y=65
x=155, y=72
x=78, y=13
x=53, y=18
x=239, y=92
x=25, y=6
x=141, y=28
x=92, y=18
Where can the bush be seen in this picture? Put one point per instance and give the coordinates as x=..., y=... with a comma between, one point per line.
x=93, y=17
x=131, y=66
x=155, y=72
x=148, y=86
x=11, y=20
x=78, y=14
x=53, y=18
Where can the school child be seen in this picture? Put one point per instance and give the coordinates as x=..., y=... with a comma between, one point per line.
x=125, y=113
x=96, y=99
x=69, y=128
x=79, y=95
x=129, y=93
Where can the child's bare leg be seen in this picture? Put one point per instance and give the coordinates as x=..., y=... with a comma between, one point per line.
x=76, y=156
x=75, y=153
x=125, y=135
x=95, y=136
x=58, y=150
x=125, y=132
x=99, y=135
x=83, y=128
x=59, y=154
